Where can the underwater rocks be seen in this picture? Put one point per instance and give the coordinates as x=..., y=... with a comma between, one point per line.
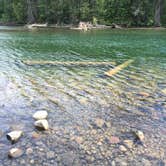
x=114, y=140
x=14, y=136
x=140, y=135
x=39, y=115
x=123, y=148
x=29, y=151
x=42, y=124
x=128, y=143
x=99, y=123
x=15, y=153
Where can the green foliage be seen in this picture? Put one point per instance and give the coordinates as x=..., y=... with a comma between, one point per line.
x=19, y=11
x=124, y=12
x=85, y=11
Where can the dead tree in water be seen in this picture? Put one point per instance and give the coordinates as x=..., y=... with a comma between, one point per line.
x=157, y=13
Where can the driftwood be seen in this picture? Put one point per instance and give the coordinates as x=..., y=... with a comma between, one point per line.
x=118, y=68
x=31, y=26
x=68, y=63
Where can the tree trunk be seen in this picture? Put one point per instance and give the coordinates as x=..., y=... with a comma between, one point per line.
x=157, y=13
x=31, y=18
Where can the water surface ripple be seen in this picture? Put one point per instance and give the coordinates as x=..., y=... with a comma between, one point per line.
x=76, y=95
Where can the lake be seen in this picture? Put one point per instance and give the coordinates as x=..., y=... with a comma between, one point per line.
x=75, y=95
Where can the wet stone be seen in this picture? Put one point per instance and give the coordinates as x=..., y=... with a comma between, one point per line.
x=79, y=140
x=14, y=136
x=15, y=153
x=42, y=124
x=99, y=123
x=140, y=135
x=128, y=143
x=114, y=140
x=144, y=94
x=32, y=161
x=50, y=155
x=123, y=148
x=35, y=135
x=39, y=115
x=146, y=162
x=29, y=151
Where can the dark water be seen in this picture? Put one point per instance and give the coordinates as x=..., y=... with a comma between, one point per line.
x=75, y=95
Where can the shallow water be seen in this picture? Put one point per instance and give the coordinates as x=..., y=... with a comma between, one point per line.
x=75, y=95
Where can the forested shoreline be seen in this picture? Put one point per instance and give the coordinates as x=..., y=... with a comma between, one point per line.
x=128, y=13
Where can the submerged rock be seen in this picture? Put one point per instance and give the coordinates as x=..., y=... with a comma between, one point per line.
x=35, y=135
x=29, y=151
x=100, y=123
x=114, y=140
x=42, y=124
x=140, y=135
x=15, y=153
x=79, y=140
x=128, y=143
x=144, y=94
x=39, y=115
x=123, y=148
x=14, y=135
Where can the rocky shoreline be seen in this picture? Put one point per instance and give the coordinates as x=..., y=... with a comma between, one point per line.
x=102, y=142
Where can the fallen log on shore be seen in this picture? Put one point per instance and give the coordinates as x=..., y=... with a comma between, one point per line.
x=68, y=63
x=31, y=26
x=117, y=69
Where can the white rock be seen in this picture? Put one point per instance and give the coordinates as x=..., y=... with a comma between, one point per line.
x=39, y=115
x=99, y=123
x=140, y=135
x=123, y=148
x=14, y=135
x=42, y=124
x=15, y=152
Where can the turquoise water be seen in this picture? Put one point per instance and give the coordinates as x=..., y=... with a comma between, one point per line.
x=77, y=94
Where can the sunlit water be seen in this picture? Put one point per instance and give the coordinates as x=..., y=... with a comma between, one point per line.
x=73, y=94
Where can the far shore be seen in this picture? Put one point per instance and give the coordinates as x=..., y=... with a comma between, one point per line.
x=75, y=27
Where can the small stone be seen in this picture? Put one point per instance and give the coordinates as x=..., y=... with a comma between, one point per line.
x=32, y=161
x=108, y=124
x=144, y=94
x=29, y=151
x=42, y=124
x=122, y=163
x=100, y=123
x=50, y=155
x=15, y=153
x=114, y=140
x=79, y=140
x=14, y=135
x=123, y=148
x=99, y=143
x=128, y=143
x=140, y=135
x=113, y=163
x=93, y=132
x=39, y=115
x=35, y=135
x=164, y=91
x=146, y=162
